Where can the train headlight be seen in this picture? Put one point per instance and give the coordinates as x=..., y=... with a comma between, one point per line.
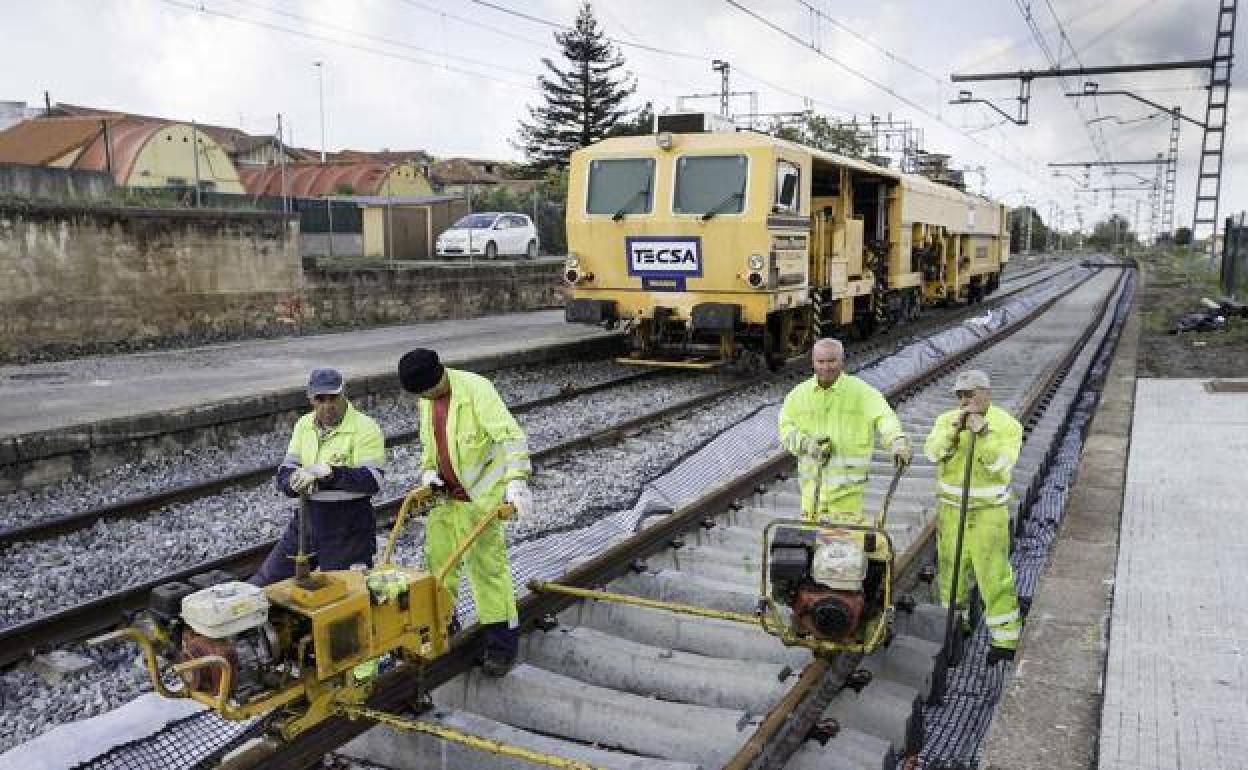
x=754, y=279
x=572, y=262
x=756, y=262
x=571, y=276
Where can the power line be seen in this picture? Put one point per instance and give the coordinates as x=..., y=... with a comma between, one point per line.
x=899, y=97
x=345, y=43
x=871, y=43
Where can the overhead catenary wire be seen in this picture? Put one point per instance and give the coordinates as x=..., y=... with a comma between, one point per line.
x=202, y=9
x=1046, y=182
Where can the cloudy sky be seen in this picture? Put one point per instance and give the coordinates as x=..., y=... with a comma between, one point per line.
x=453, y=77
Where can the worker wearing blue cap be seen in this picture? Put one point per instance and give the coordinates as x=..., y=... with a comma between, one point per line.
x=335, y=457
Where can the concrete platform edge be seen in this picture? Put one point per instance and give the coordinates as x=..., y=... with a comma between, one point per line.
x=35, y=459
x=1049, y=715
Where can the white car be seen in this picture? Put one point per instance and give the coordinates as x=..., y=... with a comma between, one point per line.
x=489, y=234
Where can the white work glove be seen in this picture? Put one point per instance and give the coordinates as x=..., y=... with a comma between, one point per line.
x=519, y=495
x=818, y=447
x=430, y=478
x=976, y=423
x=902, y=454
x=301, y=481
x=320, y=471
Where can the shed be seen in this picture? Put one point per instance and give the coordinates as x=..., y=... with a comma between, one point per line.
x=405, y=227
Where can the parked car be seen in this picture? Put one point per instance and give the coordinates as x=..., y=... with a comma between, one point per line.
x=490, y=234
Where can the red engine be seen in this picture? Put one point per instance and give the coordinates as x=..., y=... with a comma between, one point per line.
x=826, y=613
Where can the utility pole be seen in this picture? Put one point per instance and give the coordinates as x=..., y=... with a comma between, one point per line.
x=1027, y=226
x=723, y=68
x=281, y=162
x=195, y=159
x=320, y=80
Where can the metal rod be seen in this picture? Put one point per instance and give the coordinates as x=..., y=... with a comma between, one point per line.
x=1175, y=111
x=1061, y=72
x=542, y=586
x=957, y=551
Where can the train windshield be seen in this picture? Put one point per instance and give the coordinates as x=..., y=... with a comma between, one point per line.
x=620, y=187
x=711, y=184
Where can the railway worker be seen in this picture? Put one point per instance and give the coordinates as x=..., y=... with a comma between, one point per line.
x=475, y=453
x=336, y=455
x=986, y=543
x=830, y=423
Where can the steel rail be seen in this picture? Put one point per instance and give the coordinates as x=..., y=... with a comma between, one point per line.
x=82, y=620
x=399, y=689
x=146, y=504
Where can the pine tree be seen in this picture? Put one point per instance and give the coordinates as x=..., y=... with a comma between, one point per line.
x=583, y=102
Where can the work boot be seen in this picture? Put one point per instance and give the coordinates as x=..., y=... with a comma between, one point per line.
x=1024, y=606
x=502, y=644
x=453, y=628
x=997, y=654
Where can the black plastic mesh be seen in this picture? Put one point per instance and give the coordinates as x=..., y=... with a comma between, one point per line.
x=193, y=742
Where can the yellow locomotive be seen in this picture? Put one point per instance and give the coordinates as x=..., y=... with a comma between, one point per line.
x=719, y=244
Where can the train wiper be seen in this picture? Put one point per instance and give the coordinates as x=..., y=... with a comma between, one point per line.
x=716, y=208
x=617, y=216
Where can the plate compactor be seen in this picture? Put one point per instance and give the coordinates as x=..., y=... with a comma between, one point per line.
x=824, y=586
x=305, y=648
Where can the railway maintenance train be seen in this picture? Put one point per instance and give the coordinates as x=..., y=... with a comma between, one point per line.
x=719, y=245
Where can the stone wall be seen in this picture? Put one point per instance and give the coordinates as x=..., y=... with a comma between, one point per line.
x=79, y=278
x=416, y=292
x=48, y=183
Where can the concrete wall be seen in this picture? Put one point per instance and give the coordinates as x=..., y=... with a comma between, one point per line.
x=365, y=297
x=47, y=183
x=76, y=278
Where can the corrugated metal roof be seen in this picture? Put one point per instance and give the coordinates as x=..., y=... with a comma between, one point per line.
x=40, y=141
x=128, y=138
x=313, y=180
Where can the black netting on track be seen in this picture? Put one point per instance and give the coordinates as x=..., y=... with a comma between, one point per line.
x=193, y=742
x=955, y=729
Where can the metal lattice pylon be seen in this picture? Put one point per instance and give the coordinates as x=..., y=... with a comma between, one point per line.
x=1209, y=170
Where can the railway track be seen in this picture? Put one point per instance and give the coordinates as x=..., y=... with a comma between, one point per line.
x=665, y=691
x=161, y=501
x=83, y=619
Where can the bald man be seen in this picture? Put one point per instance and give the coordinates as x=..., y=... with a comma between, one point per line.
x=830, y=423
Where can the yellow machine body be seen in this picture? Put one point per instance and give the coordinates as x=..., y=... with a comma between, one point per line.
x=816, y=243
x=318, y=648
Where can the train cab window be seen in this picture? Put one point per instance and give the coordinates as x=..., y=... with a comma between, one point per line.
x=788, y=188
x=710, y=184
x=620, y=187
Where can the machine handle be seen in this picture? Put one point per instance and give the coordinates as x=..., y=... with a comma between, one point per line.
x=417, y=496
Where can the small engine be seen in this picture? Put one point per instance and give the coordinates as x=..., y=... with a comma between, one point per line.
x=820, y=575
x=228, y=619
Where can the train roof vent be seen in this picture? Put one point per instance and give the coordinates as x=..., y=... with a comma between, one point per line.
x=692, y=122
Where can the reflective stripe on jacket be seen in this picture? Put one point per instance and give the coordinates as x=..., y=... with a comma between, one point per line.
x=488, y=448
x=849, y=412
x=996, y=451
x=355, y=449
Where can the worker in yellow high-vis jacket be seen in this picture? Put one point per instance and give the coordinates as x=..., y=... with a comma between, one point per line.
x=986, y=543
x=474, y=452
x=830, y=423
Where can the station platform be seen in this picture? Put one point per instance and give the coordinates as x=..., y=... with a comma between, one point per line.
x=57, y=409
x=1135, y=654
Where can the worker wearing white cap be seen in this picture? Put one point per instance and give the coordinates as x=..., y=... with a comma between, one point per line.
x=986, y=543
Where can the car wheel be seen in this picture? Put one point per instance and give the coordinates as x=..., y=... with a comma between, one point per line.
x=531, y=251
x=491, y=250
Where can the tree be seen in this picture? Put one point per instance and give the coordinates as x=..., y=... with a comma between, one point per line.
x=1018, y=228
x=640, y=124
x=582, y=102
x=1183, y=236
x=814, y=130
x=1115, y=231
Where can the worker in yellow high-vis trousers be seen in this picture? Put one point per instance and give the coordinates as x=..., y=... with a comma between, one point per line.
x=474, y=452
x=830, y=422
x=986, y=541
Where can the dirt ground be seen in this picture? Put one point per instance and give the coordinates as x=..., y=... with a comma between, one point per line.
x=1170, y=286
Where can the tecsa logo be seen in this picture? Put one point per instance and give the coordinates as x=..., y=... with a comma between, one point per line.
x=663, y=256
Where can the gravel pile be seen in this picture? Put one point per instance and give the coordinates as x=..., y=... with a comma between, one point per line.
x=394, y=412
